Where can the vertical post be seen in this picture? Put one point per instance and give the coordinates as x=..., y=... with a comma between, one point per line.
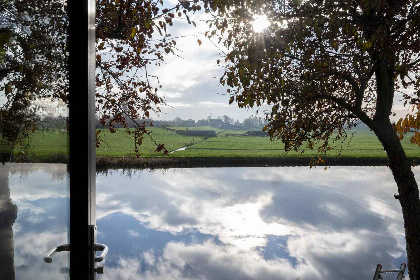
x=82, y=137
x=377, y=275
x=402, y=271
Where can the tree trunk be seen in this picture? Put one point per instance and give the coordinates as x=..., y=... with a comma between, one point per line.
x=408, y=193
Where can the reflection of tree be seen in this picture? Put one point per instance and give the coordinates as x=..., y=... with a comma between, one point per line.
x=8, y=214
x=325, y=66
x=56, y=172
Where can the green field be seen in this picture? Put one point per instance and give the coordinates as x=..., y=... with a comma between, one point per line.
x=228, y=143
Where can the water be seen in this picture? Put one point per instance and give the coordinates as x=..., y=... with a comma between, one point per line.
x=179, y=150
x=219, y=223
x=41, y=195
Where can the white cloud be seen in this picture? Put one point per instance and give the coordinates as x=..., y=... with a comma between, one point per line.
x=22, y=189
x=400, y=111
x=209, y=261
x=334, y=224
x=29, y=251
x=172, y=94
x=133, y=233
x=347, y=215
x=213, y=104
x=179, y=105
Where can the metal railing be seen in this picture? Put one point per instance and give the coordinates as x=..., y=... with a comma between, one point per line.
x=379, y=271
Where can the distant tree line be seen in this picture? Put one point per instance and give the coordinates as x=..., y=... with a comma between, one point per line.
x=203, y=133
x=223, y=122
x=51, y=123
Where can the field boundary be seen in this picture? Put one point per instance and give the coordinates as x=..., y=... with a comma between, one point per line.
x=104, y=162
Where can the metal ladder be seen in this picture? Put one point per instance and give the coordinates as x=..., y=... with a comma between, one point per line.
x=399, y=271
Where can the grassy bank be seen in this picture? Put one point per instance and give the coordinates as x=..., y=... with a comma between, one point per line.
x=363, y=144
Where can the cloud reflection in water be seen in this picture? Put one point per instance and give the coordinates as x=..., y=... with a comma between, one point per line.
x=219, y=223
x=257, y=223
x=41, y=194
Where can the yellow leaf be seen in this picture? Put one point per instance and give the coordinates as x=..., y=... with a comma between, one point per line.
x=133, y=32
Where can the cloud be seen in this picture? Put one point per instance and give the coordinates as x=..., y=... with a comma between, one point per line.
x=345, y=255
x=213, y=104
x=195, y=71
x=223, y=223
x=29, y=251
x=320, y=223
x=315, y=207
x=207, y=261
x=179, y=105
x=326, y=256
x=400, y=111
x=323, y=202
x=192, y=75
x=175, y=94
x=23, y=189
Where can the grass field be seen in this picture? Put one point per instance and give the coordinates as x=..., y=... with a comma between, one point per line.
x=227, y=144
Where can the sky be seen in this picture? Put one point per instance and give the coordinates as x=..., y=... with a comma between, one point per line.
x=190, y=79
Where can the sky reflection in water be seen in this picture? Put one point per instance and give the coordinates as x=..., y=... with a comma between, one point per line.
x=254, y=223
x=41, y=194
x=225, y=223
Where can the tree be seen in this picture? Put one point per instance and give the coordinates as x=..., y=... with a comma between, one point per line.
x=252, y=123
x=135, y=34
x=324, y=66
x=131, y=36
x=32, y=59
x=227, y=119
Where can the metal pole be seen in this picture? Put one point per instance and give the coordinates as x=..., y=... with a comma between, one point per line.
x=82, y=138
x=378, y=272
x=402, y=270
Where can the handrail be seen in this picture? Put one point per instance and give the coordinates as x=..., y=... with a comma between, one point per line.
x=379, y=270
x=61, y=248
x=104, y=249
x=66, y=247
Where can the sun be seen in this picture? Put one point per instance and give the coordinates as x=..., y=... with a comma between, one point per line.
x=260, y=23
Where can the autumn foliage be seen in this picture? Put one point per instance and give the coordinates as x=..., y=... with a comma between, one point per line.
x=324, y=66
x=131, y=36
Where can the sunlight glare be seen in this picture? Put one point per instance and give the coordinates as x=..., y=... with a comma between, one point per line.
x=260, y=23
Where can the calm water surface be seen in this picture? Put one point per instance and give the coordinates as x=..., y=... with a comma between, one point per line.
x=217, y=223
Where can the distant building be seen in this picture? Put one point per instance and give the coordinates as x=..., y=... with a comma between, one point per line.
x=215, y=122
x=188, y=123
x=202, y=123
x=228, y=126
